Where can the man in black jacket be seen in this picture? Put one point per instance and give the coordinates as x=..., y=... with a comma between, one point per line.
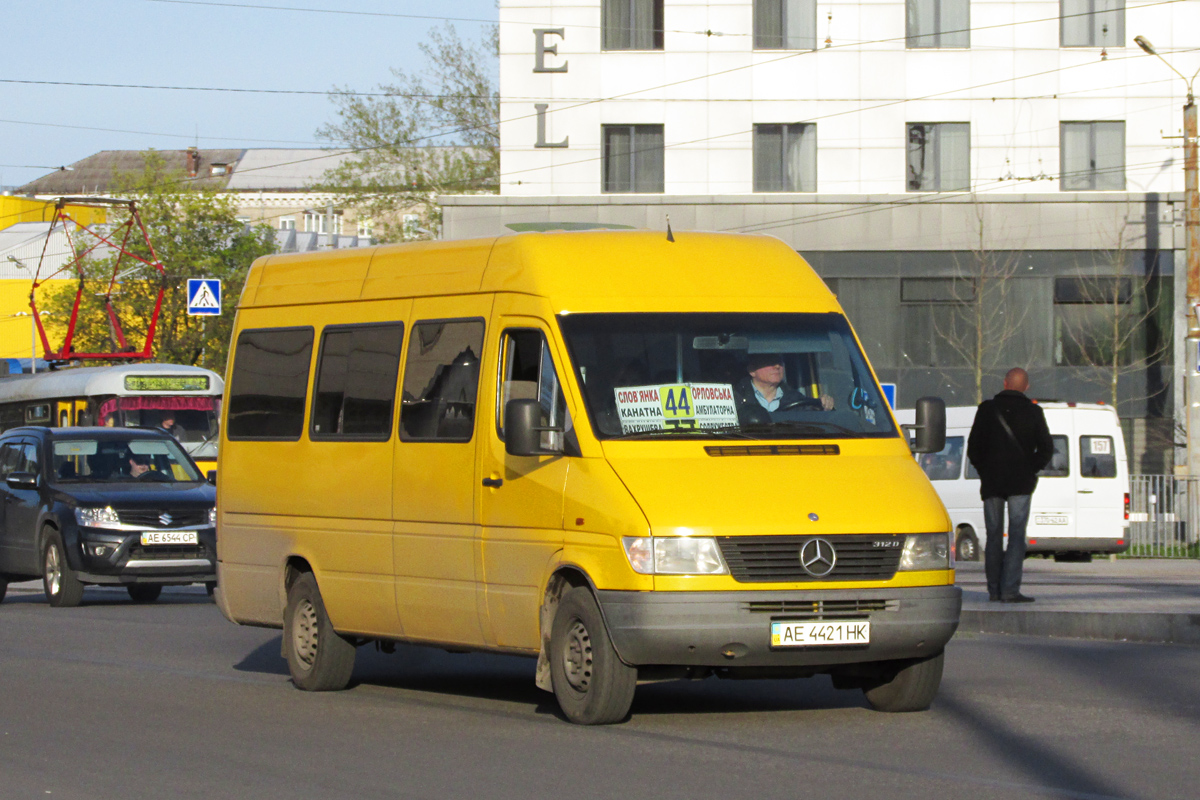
x=1009, y=444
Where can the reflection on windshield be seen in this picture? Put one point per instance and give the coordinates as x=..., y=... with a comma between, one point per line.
x=114, y=460
x=740, y=375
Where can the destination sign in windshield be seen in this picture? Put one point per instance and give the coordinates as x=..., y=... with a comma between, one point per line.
x=166, y=383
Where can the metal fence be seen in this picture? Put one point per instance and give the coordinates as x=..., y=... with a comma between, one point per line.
x=1164, y=516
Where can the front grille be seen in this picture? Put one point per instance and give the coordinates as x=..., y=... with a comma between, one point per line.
x=820, y=609
x=776, y=559
x=156, y=552
x=149, y=518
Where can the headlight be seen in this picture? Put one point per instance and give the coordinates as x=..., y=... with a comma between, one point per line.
x=212, y=516
x=925, y=551
x=97, y=517
x=674, y=555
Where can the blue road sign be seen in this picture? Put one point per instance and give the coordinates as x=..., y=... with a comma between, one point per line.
x=204, y=296
x=889, y=393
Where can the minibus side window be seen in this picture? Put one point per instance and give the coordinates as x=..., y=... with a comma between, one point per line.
x=269, y=383
x=441, y=381
x=356, y=381
x=1097, y=458
x=945, y=465
x=527, y=373
x=1060, y=462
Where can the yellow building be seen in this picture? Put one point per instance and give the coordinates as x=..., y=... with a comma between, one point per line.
x=23, y=227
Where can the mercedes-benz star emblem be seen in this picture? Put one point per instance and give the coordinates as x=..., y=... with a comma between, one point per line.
x=817, y=557
x=165, y=519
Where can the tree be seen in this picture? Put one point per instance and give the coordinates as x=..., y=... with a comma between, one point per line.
x=434, y=133
x=196, y=234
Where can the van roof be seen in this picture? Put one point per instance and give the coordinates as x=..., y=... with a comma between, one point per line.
x=576, y=271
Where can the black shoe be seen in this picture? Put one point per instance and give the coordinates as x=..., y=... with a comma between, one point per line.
x=993, y=598
x=1016, y=598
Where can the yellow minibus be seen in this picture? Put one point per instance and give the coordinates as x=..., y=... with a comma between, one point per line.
x=631, y=457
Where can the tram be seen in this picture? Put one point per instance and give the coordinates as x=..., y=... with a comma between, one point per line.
x=129, y=395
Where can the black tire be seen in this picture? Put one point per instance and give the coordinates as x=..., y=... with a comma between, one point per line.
x=967, y=547
x=59, y=581
x=592, y=684
x=210, y=587
x=143, y=592
x=319, y=659
x=3, y=589
x=912, y=688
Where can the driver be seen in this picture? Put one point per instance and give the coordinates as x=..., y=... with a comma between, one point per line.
x=767, y=387
x=139, y=465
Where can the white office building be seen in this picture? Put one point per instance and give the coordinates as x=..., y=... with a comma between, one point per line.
x=913, y=150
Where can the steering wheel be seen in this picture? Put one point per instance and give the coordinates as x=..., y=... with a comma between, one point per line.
x=154, y=477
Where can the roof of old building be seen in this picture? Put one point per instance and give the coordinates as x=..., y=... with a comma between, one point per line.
x=97, y=173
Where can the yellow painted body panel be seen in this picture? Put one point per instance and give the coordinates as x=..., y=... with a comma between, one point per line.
x=405, y=541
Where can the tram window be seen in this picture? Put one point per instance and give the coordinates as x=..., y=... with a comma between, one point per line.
x=38, y=413
x=269, y=383
x=356, y=381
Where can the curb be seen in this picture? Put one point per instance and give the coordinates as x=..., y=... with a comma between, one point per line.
x=1111, y=626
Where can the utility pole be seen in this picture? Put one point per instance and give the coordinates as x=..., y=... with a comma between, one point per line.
x=1191, y=185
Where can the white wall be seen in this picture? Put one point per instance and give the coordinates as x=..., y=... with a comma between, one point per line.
x=1014, y=85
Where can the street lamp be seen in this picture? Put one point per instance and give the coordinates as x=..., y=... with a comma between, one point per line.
x=1191, y=184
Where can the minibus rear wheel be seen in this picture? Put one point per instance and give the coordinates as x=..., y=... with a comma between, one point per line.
x=319, y=659
x=911, y=689
x=592, y=684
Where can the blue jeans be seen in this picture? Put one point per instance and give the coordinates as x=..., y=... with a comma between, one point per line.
x=1003, y=565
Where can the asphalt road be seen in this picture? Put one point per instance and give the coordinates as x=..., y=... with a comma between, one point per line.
x=113, y=700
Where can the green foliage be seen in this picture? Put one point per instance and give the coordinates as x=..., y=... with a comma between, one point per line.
x=196, y=234
x=436, y=133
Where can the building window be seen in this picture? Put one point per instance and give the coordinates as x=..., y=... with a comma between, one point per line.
x=785, y=158
x=1092, y=320
x=410, y=225
x=366, y=229
x=936, y=329
x=785, y=24
x=1092, y=23
x=632, y=24
x=939, y=157
x=633, y=158
x=1092, y=156
x=287, y=223
x=938, y=23
x=318, y=222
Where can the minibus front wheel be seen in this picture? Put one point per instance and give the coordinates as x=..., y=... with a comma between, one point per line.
x=907, y=686
x=593, y=686
x=319, y=659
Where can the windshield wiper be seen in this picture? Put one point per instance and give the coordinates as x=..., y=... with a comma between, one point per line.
x=804, y=428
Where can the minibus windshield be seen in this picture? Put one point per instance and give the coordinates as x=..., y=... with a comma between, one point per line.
x=758, y=376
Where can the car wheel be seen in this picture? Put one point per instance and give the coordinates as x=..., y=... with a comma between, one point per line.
x=592, y=684
x=319, y=659
x=210, y=587
x=911, y=688
x=143, y=592
x=63, y=588
x=967, y=547
x=3, y=589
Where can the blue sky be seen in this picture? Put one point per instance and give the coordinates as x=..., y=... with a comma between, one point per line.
x=176, y=44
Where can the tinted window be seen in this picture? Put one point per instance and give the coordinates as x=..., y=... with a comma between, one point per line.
x=1060, y=463
x=356, y=381
x=1097, y=458
x=269, y=383
x=10, y=457
x=29, y=461
x=441, y=379
x=946, y=464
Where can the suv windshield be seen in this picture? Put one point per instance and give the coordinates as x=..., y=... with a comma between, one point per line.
x=769, y=376
x=87, y=460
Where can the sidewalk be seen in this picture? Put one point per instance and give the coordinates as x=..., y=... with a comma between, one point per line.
x=1142, y=600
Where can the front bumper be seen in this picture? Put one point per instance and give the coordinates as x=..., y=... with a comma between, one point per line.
x=733, y=629
x=131, y=562
x=1075, y=544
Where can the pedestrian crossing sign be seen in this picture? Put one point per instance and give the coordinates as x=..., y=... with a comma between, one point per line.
x=204, y=296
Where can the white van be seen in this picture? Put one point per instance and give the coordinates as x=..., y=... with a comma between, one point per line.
x=1081, y=504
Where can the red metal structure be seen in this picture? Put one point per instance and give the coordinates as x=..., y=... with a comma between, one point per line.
x=72, y=230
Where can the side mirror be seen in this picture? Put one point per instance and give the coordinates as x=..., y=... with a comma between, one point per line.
x=930, y=428
x=522, y=432
x=211, y=477
x=22, y=480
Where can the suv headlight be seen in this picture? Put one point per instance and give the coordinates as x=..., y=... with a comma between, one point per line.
x=674, y=555
x=923, y=551
x=212, y=516
x=97, y=517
